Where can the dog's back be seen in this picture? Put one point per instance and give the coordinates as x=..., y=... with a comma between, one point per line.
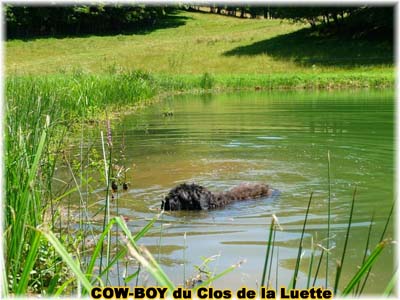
x=245, y=191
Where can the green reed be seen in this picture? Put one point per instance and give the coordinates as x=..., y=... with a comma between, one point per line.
x=269, y=246
x=329, y=220
x=296, y=269
x=39, y=112
x=380, y=241
x=29, y=165
x=341, y=262
x=80, y=96
x=361, y=275
x=366, y=249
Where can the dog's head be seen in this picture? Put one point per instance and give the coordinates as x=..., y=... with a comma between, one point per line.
x=186, y=197
x=170, y=203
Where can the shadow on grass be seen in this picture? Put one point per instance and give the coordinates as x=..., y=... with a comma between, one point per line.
x=169, y=21
x=306, y=47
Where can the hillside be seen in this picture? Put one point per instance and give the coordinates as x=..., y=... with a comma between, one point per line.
x=196, y=43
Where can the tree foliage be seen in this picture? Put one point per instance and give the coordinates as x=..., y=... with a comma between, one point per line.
x=377, y=21
x=27, y=21
x=363, y=16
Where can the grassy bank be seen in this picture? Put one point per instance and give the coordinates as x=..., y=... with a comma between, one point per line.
x=278, y=81
x=189, y=52
x=85, y=96
x=192, y=51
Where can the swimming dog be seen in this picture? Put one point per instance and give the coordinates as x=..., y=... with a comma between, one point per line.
x=196, y=197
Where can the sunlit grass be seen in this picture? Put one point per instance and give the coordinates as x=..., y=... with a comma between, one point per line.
x=200, y=43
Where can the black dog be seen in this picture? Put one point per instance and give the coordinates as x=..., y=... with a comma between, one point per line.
x=196, y=197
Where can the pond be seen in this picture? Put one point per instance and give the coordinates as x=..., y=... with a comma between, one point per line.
x=279, y=138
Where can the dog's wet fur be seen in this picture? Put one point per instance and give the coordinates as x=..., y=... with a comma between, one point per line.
x=196, y=197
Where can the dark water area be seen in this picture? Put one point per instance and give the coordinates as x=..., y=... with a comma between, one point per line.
x=279, y=138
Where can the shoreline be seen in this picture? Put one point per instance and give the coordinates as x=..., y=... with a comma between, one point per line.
x=128, y=92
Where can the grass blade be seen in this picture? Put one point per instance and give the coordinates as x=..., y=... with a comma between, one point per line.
x=381, y=239
x=146, y=228
x=148, y=262
x=311, y=263
x=22, y=216
x=277, y=269
x=365, y=267
x=29, y=263
x=296, y=270
x=391, y=285
x=68, y=259
x=53, y=284
x=123, y=251
x=387, y=223
x=98, y=247
x=116, y=258
x=271, y=229
x=130, y=277
x=366, y=249
x=272, y=256
x=329, y=220
x=214, y=278
x=61, y=289
x=318, y=266
x=340, y=264
x=184, y=258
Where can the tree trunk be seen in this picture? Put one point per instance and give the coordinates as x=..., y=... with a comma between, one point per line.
x=312, y=23
x=267, y=13
x=327, y=19
x=335, y=19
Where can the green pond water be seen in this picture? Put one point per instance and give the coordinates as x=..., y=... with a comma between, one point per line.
x=279, y=138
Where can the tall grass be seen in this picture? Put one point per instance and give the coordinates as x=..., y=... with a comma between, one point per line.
x=29, y=166
x=78, y=95
x=39, y=111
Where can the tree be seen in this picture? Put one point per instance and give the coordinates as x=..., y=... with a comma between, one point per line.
x=26, y=21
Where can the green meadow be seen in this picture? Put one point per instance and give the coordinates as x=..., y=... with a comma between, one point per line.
x=197, y=43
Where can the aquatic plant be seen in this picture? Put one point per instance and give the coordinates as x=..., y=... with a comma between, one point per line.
x=206, y=81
